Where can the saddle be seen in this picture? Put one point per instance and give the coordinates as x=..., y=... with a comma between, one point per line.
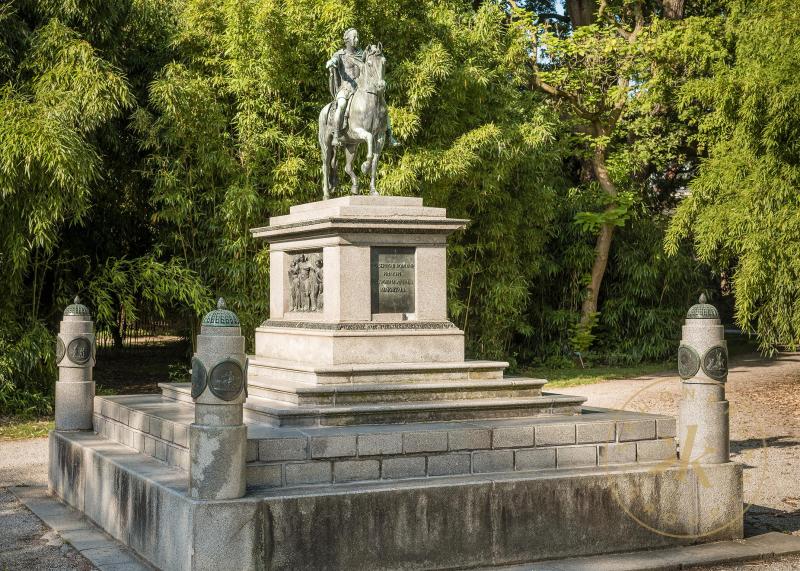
x=345, y=118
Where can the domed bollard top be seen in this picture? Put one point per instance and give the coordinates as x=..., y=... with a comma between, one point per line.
x=75, y=357
x=218, y=437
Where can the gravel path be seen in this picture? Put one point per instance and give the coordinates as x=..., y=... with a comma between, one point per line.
x=765, y=437
x=28, y=544
x=25, y=542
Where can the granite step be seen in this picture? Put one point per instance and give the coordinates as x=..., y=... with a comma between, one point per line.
x=263, y=370
x=280, y=413
x=277, y=413
x=375, y=393
x=288, y=457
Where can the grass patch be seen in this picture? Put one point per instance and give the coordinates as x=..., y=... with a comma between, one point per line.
x=17, y=428
x=573, y=376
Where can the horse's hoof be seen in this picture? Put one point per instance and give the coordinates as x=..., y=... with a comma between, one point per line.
x=373, y=192
x=354, y=190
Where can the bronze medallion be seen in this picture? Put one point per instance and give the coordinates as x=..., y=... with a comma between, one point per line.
x=226, y=380
x=79, y=350
x=246, y=367
x=199, y=377
x=715, y=363
x=688, y=362
x=60, y=349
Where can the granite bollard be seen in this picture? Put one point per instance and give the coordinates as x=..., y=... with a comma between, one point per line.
x=703, y=421
x=75, y=357
x=218, y=436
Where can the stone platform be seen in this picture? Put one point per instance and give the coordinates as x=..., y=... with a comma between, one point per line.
x=364, y=439
x=505, y=515
x=157, y=426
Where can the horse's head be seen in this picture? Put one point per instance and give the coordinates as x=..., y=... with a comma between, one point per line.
x=374, y=69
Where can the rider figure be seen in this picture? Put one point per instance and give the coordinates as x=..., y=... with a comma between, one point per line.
x=349, y=63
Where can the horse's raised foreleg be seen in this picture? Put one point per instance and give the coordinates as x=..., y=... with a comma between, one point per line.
x=370, y=139
x=350, y=153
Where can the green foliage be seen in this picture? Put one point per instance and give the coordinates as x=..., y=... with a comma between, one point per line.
x=743, y=213
x=141, y=141
x=62, y=92
x=122, y=285
x=27, y=369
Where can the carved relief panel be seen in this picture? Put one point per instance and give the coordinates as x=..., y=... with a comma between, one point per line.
x=305, y=291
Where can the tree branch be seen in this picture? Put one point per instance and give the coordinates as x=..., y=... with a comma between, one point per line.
x=601, y=13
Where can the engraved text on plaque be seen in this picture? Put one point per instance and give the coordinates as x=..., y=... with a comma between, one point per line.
x=393, y=281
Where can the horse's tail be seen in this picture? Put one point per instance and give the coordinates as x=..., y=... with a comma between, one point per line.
x=323, y=124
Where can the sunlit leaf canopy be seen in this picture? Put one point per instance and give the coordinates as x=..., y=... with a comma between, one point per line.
x=141, y=140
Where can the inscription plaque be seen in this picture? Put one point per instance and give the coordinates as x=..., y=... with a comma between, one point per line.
x=393, y=272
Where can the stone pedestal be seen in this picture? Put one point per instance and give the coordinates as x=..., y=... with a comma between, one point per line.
x=218, y=437
x=359, y=280
x=358, y=330
x=75, y=355
x=703, y=417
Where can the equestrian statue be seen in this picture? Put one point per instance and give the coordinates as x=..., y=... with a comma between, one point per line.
x=358, y=113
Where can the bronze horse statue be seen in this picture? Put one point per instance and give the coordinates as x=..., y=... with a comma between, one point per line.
x=367, y=119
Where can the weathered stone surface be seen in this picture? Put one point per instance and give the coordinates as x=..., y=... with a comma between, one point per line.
x=74, y=405
x=616, y=453
x=576, y=456
x=499, y=520
x=555, y=434
x=277, y=449
x=333, y=446
x=587, y=433
x=395, y=468
x=636, y=430
x=252, y=450
x=535, y=459
x=374, y=444
x=308, y=473
x=414, y=442
x=492, y=461
x=512, y=437
x=227, y=535
x=666, y=428
x=474, y=439
x=217, y=461
x=351, y=470
x=264, y=475
x=655, y=450
x=448, y=464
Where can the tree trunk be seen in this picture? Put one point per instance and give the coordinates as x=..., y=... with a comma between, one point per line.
x=581, y=12
x=601, y=249
x=602, y=246
x=673, y=9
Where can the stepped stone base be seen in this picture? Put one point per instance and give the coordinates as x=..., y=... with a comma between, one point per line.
x=157, y=427
x=445, y=522
x=263, y=371
x=280, y=413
